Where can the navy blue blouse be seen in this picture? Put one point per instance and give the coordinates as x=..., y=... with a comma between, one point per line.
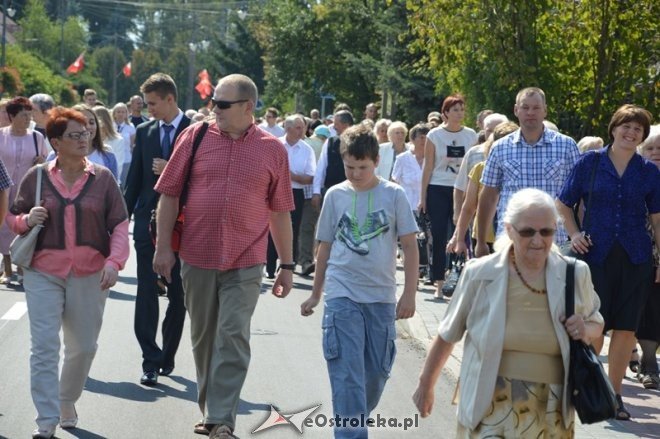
x=619, y=205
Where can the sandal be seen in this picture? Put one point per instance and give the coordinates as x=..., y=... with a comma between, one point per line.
x=634, y=364
x=651, y=381
x=221, y=431
x=621, y=413
x=202, y=428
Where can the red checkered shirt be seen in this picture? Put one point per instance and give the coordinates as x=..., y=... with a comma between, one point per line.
x=234, y=186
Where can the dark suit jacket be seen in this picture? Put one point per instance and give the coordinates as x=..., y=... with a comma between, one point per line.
x=139, y=194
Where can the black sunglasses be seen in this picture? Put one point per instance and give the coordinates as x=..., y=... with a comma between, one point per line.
x=223, y=105
x=528, y=232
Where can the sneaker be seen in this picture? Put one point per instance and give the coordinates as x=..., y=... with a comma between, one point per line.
x=651, y=381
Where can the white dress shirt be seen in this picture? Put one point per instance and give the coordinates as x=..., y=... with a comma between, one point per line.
x=302, y=160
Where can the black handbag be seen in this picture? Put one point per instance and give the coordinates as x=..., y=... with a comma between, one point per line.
x=457, y=264
x=567, y=249
x=590, y=389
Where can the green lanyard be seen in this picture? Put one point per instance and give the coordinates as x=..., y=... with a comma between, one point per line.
x=366, y=227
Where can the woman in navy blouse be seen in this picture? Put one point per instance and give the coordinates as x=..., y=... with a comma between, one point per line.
x=615, y=244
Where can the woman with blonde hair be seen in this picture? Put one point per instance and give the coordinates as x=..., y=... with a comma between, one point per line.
x=112, y=138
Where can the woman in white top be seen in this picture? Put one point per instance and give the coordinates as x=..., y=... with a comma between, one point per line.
x=380, y=130
x=127, y=130
x=112, y=138
x=408, y=166
x=390, y=151
x=445, y=147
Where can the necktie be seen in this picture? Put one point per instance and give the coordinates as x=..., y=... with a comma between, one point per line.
x=166, y=144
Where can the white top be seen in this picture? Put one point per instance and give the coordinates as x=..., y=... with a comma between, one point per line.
x=275, y=130
x=472, y=157
x=321, y=169
x=121, y=150
x=386, y=160
x=408, y=173
x=126, y=130
x=450, y=148
x=302, y=160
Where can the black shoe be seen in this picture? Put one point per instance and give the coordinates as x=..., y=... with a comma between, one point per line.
x=166, y=371
x=270, y=276
x=306, y=271
x=149, y=378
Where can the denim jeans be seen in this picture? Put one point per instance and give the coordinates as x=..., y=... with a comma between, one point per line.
x=358, y=345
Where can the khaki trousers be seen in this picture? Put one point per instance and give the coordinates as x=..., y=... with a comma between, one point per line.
x=220, y=305
x=75, y=305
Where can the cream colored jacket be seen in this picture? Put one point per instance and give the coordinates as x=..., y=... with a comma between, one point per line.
x=478, y=311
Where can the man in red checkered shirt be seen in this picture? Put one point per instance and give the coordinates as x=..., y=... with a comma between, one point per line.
x=239, y=188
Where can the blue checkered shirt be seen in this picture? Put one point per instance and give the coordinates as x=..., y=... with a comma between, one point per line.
x=5, y=179
x=513, y=165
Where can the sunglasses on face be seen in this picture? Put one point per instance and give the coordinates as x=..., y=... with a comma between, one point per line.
x=528, y=232
x=223, y=105
x=77, y=135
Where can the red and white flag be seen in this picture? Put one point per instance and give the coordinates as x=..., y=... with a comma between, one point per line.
x=127, y=70
x=77, y=65
x=204, y=87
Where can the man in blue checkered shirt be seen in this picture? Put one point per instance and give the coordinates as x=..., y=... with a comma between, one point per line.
x=532, y=156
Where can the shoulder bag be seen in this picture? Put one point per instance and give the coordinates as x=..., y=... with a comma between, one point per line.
x=22, y=247
x=567, y=249
x=178, y=225
x=589, y=387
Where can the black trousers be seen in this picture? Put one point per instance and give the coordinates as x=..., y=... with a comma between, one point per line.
x=440, y=207
x=296, y=219
x=147, y=311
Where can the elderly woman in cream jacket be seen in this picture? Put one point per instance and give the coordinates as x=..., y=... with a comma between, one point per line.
x=510, y=307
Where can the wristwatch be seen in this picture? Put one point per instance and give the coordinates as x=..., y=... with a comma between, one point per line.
x=287, y=267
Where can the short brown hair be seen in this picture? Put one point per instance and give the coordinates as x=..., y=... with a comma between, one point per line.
x=58, y=119
x=89, y=92
x=359, y=142
x=630, y=113
x=161, y=84
x=18, y=104
x=452, y=100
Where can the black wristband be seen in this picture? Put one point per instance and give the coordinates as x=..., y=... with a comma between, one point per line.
x=287, y=267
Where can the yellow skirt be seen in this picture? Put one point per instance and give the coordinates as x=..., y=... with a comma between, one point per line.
x=522, y=409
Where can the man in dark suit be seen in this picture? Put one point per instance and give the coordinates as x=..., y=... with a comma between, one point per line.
x=154, y=142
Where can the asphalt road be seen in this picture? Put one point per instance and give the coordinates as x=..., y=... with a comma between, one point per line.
x=287, y=371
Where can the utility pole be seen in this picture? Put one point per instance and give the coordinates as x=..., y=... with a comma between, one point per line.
x=191, y=64
x=113, y=95
x=62, y=17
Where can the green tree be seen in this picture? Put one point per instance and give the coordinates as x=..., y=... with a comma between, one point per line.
x=37, y=77
x=589, y=56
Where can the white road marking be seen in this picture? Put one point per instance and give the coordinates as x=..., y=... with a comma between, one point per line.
x=15, y=312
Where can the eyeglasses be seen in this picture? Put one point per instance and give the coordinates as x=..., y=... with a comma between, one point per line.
x=77, y=135
x=528, y=232
x=223, y=105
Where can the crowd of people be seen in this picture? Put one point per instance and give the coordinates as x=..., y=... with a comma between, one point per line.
x=341, y=198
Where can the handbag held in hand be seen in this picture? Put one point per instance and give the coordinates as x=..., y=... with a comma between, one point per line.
x=22, y=247
x=590, y=389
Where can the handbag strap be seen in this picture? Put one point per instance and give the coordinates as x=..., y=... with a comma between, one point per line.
x=36, y=147
x=195, y=146
x=570, y=286
x=591, y=189
x=37, y=195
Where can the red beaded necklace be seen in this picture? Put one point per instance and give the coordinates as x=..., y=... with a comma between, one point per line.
x=528, y=286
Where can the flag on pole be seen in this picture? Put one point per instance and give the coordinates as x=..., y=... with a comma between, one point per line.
x=127, y=70
x=77, y=65
x=204, y=87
